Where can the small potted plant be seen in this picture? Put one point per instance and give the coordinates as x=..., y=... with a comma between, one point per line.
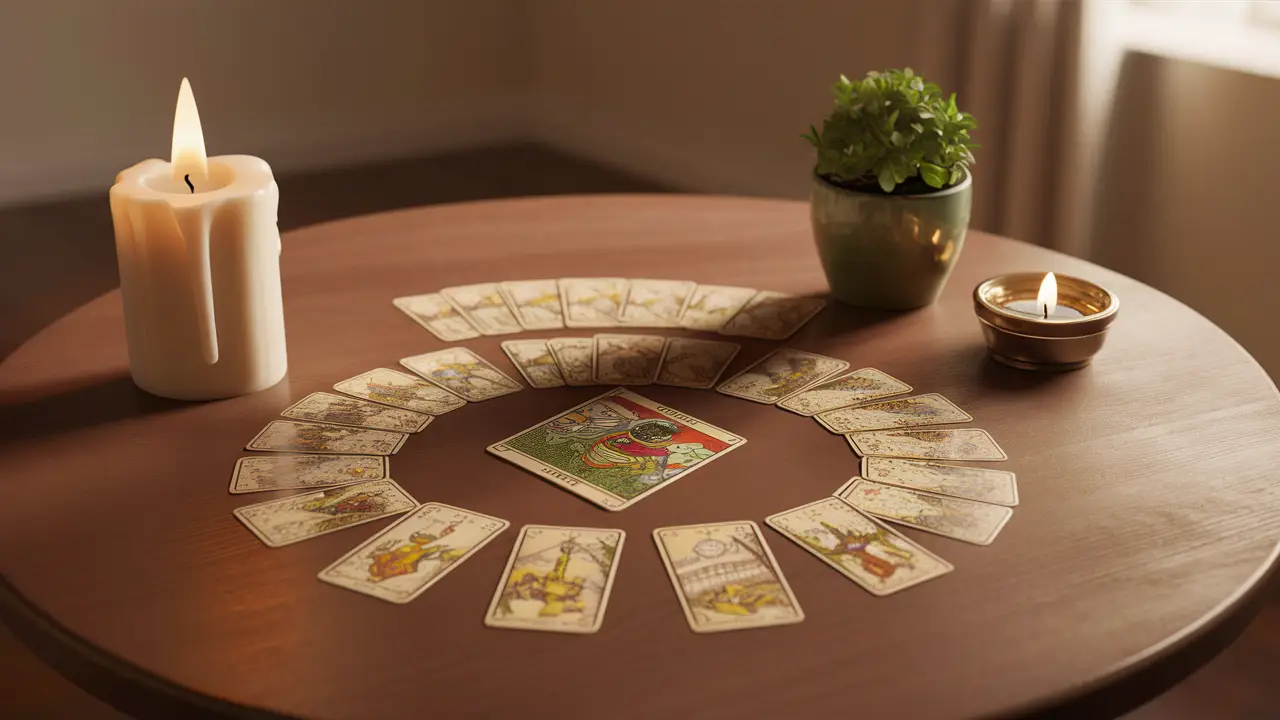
x=891, y=191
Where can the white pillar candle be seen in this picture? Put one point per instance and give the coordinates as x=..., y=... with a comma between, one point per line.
x=200, y=269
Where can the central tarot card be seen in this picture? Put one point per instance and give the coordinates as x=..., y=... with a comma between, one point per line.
x=617, y=448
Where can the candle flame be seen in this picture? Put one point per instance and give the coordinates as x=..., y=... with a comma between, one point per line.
x=188, y=156
x=1047, y=300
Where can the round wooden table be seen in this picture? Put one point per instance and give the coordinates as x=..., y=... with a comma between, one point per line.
x=1148, y=524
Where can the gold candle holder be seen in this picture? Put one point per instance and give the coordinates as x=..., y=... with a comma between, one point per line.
x=1025, y=332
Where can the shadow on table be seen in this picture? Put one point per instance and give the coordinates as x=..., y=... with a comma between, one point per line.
x=52, y=411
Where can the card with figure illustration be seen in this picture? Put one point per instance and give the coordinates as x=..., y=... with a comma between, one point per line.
x=592, y=302
x=999, y=487
x=342, y=410
x=298, y=517
x=534, y=361
x=711, y=306
x=616, y=449
x=726, y=577
x=973, y=445
x=859, y=386
x=290, y=472
x=484, y=307
x=557, y=579
x=576, y=358
x=291, y=436
x=770, y=315
x=434, y=313
x=779, y=374
x=401, y=562
x=627, y=359
x=463, y=373
x=656, y=303
x=402, y=390
x=536, y=303
x=697, y=364
x=907, y=412
x=966, y=520
x=867, y=552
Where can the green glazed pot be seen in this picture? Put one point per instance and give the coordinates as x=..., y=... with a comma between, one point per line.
x=890, y=252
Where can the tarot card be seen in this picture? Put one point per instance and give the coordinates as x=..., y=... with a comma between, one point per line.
x=695, y=363
x=627, y=359
x=974, y=445
x=462, y=373
x=536, y=303
x=859, y=386
x=434, y=313
x=341, y=410
x=326, y=439
x=592, y=302
x=617, y=448
x=867, y=552
x=402, y=390
x=916, y=411
x=967, y=520
x=999, y=487
x=534, y=361
x=483, y=305
x=779, y=374
x=576, y=358
x=298, y=517
x=712, y=305
x=773, y=315
x=289, y=472
x=726, y=577
x=557, y=579
x=401, y=562
x=656, y=303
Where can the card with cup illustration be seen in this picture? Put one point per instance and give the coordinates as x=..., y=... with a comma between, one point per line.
x=855, y=388
x=907, y=412
x=434, y=313
x=535, y=362
x=576, y=357
x=398, y=389
x=343, y=410
x=781, y=373
x=966, y=520
x=627, y=359
x=463, y=373
x=535, y=303
x=692, y=363
x=482, y=304
x=300, y=517
x=927, y=444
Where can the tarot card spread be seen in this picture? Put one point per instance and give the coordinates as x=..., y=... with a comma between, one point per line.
x=627, y=359
x=695, y=364
x=299, y=517
x=339, y=410
x=773, y=315
x=712, y=305
x=536, y=303
x=656, y=303
x=576, y=358
x=972, y=522
x=617, y=448
x=857, y=387
x=779, y=374
x=725, y=577
x=918, y=411
x=534, y=361
x=401, y=562
x=975, y=445
x=434, y=313
x=402, y=390
x=462, y=373
x=483, y=305
x=865, y=551
x=557, y=579
x=306, y=437
x=288, y=472
x=999, y=487
x=592, y=302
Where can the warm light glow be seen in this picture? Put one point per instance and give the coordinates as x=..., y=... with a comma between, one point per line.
x=1047, y=299
x=188, y=156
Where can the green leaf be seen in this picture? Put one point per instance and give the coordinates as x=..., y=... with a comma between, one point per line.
x=885, y=178
x=933, y=175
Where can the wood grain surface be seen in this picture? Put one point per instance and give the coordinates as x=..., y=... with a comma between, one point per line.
x=1148, y=521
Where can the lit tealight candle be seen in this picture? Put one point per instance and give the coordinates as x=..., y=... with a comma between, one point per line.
x=1045, y=306
x=1051, y=330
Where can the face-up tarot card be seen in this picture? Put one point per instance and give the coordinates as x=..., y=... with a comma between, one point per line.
x=534, y=361
x=865, y=551
x=402, y=390
x=974, y=445
x=656, y=303
x=462, y=373
x=916, y=411
x=288, y=472
x=483, y=305
x=627, y=359
x=972, y=522
x=576, y=358
x=306, y=437
x=857, y=387
x=999, y=487
x=592, y=302
x=779, y=374
x=401, y=562
x=536, y=303
x=617, y=448
x=342, y=410
x=726, y=577
x=695, y=363
x=434, y=313
x=292, y=519
x=557, y=579
x=773, y=315
x=712, y=305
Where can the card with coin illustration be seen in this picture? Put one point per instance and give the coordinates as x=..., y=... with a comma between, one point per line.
x=536, y=303
x=692, y=363
x=534, y=361
x=711, y=306
x=862, y=549
x=779, y=374
x=925, y=444
x=627, y=359
x=342, y=410
x=265, y=473
x=915, y=411
x=291, y=436
x=434, y=313
x=484, y=307
x=463, y=373
x=299, y=517
x=999, y=487
x=558, y=579
x=725, y=577
x=656, y=303
x=773, y=315
x=592, y=302
x=576, y=358
x=966, y=520
x=401, y=562
x=859, y=386
x=402, y=390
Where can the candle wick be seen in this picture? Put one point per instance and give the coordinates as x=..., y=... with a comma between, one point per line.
x=1046, y=310
x=188, y=179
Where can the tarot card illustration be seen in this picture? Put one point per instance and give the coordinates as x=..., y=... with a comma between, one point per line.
x=779, y=374
x=859, y=386
x=287, y=472
x=627, y=359
x=340, y=410
x=483, y=305
x=917, y=411
x=773, y=315
x=975, y=445
x=402, y=390
x=972, y=522
x=434, y=313
x=592, y=302
x=576, y=358
x=695, y=363
x=991, y=486
x=617, y=448
x=323, y=438
x=536, y=303
x=534, y=361
x=299, y=517
x=712, y=305
x=656, y=303
x=463, y=373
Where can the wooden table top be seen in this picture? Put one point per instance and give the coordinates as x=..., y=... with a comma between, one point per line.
x=1148, y=521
